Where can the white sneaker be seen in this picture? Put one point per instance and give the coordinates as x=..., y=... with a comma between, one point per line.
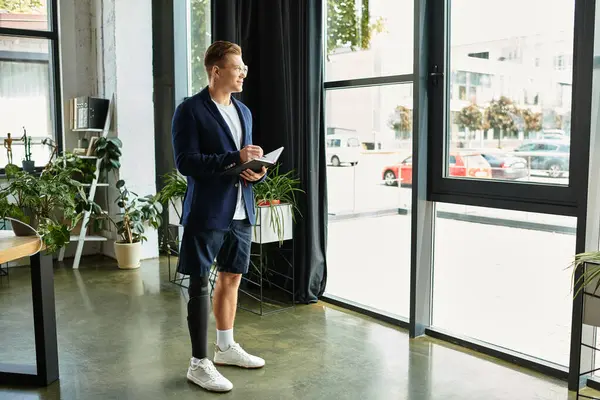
x=205, y=375
x=235, y=355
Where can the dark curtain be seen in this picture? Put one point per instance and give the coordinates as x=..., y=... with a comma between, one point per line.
x=281, y=44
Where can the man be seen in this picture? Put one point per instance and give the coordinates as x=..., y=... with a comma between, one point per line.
x=212, y=132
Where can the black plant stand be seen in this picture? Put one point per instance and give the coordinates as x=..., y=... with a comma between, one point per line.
x=171, y=245
x=172, y=248
x=590, y=383
x=259, y=286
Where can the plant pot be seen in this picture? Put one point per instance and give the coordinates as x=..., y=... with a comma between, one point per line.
x=28, y=166
x=20, y=229
x=274, y=223
x=128, y=255
x=265, y=203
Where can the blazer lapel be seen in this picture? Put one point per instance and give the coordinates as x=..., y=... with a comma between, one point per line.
x=244, y=141
x=212, y=107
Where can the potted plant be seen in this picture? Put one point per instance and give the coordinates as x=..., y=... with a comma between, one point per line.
x=171, y=196
x=46, y=203
x=81, y=170
x=28, y=163
x=174, y=189
x=136, y=213
x=276, y=206
x=590, y=278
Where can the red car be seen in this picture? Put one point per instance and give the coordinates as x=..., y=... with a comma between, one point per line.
x=471, y=165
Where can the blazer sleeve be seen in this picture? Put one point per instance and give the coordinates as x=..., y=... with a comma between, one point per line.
x=189, y=159
x=249, y=122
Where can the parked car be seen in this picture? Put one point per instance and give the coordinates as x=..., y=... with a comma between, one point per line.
x=553, y=134
x=469, y=165
x=342, y=149
x=548, y=156
x=506, y=166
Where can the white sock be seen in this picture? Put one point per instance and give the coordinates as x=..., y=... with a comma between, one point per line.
x=196, y=360
x=225, y=339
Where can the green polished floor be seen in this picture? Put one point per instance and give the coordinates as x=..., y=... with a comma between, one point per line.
x=123, y=335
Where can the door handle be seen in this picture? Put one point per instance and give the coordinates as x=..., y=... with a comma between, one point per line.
x=435, y=75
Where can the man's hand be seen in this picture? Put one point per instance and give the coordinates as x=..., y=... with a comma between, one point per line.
x=250, y=152
x=252, y=176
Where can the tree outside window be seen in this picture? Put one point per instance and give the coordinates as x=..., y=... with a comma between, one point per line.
x=200, y=39
x=401, y=122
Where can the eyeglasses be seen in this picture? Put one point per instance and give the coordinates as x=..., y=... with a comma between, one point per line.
x=241, y=69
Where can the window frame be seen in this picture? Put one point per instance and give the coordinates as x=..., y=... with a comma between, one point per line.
x=530, y=196
x=52, y=35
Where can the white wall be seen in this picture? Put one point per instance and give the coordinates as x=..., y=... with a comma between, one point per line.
x=133, y=37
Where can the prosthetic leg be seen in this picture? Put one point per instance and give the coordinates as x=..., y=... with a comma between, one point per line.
x=198, y=314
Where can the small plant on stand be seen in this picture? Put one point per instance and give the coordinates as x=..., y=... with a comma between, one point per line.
x=28, y=163
x=137, y=212
x=589, y=280
x=277, y=193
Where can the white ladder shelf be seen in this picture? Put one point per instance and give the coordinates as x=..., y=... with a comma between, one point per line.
x=83, y=237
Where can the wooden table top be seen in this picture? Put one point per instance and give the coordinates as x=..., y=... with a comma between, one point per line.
x=14, y=247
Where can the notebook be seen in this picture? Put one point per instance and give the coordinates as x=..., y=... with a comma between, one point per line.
x=268, y=160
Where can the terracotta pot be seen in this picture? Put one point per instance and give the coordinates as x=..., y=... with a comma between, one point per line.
x=265, y=203
x=128, y=254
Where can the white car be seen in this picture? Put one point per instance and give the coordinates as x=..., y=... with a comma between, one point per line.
x=342, y=149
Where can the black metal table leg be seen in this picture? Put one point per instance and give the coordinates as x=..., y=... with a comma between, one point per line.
x=44, y=321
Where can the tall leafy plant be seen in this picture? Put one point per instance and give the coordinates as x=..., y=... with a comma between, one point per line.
x=137, y=212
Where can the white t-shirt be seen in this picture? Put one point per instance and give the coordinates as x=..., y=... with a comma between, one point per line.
x=230, y=115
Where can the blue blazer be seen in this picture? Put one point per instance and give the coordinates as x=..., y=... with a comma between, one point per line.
x=203, y=147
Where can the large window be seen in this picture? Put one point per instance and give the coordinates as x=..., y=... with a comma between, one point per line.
x=509, y=96
x=369, y=136
x=478, y=192
x=502, y=96
x=500, y=277
x=368, y=38
x=29, y=87
x=508, y=106
x=368, y=148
